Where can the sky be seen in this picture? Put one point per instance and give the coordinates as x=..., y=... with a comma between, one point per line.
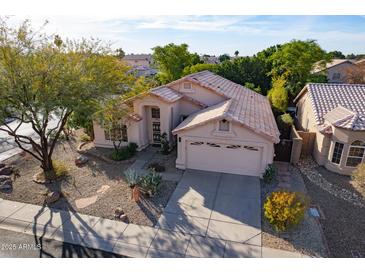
x=212, y=35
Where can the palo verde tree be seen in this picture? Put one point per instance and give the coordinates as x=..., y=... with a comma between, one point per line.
x=43, y=77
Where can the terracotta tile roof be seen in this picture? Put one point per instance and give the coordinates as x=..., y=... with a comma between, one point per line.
x=246, y=107
x=166, y=93
x=343, y=105
x=203, y=116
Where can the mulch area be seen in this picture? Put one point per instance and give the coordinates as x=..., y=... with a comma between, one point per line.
x=96, y=178
x=344, y=223
x=306, y=238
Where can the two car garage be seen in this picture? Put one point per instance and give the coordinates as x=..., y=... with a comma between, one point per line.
x=236, y=158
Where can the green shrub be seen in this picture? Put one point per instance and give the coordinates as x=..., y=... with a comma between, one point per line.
x=59, y=170
x=131, y=177
x=85, y=138
x=157, y=167
x=285, y=122
x=285, y=209
x=151, y=181
x=124, y=153
x=270, y=174
x=165, y=145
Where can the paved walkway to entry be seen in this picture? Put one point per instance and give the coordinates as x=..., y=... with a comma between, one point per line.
x=209, y=215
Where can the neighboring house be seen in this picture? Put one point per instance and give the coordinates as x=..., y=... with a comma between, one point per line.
x=218, y=125
x=136, y=60
x=143, y=71
x=336, y=113
x=208, y=59
x=336, y=70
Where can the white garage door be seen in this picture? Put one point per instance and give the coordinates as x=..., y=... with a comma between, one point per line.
x=227, y=158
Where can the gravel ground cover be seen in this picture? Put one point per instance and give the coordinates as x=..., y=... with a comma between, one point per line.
x=344, y=218
x=97, y=178
x=307, y=238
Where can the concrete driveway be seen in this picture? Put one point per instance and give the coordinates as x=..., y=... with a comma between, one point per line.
x=215, y=205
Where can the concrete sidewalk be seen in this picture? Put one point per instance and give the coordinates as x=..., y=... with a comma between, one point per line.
x=121, y=238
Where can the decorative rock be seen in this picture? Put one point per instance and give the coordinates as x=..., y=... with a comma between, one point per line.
x=4, y=178
x=2, y=165
x=81, y=160
x=53, y=197
x=6, y=170
x=118, y=213
x=6, y=184
x=124, y=218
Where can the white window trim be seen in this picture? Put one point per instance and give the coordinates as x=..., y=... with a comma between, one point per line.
x=348, y=153
x=333, y=151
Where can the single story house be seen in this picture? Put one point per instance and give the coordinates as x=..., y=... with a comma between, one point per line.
x=216, y=124
x=336, y=113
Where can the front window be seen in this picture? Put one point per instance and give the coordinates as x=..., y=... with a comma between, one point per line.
x=187, y=85
x=356, y=154
x=116, y=133
x=155, y=112
x=224, y=125
x=337, y=153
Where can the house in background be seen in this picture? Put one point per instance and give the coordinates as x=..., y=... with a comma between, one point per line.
x=336, y=114
x=137, y=60
x=217, y=124
x=336, y=70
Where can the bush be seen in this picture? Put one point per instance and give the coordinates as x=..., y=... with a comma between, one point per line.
x=131, y=177
x=59, y=170
x=165, y=145
x=156, y=167
x=124, y=153
x=269, y=174
x=359, y=175
x=278, y=95
x=285, y=209
x=85, y=138
x=151, y=181
x=285, y=122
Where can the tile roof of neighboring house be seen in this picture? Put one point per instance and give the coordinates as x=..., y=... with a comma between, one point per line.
x=342, y=105
x=137, y=57
x=334, y=62
x=246, y=107
x=166, y=94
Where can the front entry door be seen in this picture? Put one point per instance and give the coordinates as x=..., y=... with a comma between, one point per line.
x=156, y=130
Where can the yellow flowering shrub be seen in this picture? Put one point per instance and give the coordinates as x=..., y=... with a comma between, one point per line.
x=285, y=209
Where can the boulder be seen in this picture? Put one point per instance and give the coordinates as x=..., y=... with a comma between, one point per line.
x=118, y=212
x=2, y=165
x=81, y=160
x=124, y=218
x=4, y=178
x=6, y=170
x=6, y=185
x=53, y=197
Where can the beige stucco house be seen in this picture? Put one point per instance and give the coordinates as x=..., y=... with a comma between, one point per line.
x=216, y=124
x=336, y=70
x=137, y=60
x=336, y=113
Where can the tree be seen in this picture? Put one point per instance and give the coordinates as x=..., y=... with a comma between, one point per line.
x=171, y=61
x=236, y=53
x=120, y=53
x=244, y=70
x=224, y=57
x=294, y=61
x=278, y=95
x=336, y=54
x=200, y=67
x=43, y=77
x=356, y=73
